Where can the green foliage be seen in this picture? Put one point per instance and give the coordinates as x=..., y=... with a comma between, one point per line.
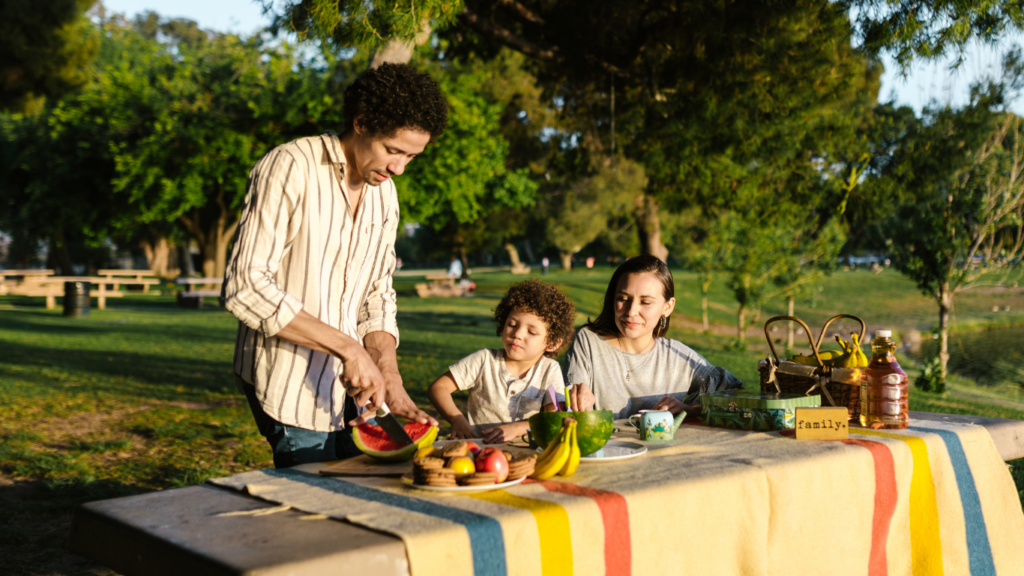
x=45, y=51
x=931, y=379
x=364, y=24
x=463, y=176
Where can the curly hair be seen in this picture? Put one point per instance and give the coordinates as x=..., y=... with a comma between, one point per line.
x=395, y=96
x=545, y=301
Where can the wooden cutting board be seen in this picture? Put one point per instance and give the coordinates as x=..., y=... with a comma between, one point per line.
x=363, y=465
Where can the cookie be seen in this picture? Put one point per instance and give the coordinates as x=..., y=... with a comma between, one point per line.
x=454, y=450
x=508, y=455
x=479, y=479
x=440, y=477
x=429, y=463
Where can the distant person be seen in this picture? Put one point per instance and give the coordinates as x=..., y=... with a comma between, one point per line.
x=455, y=267
x=544, y=263
x=310, y=274
x=590, y=262
x=398, y=264
x=623, y=362
x=507, y=386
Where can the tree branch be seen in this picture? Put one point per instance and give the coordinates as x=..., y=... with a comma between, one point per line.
x=522, y=11
x=509, y=39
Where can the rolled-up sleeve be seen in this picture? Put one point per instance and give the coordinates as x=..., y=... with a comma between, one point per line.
x=251, y=289
x=379, y=311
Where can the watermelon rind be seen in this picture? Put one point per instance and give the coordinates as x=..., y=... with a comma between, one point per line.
x=593, y=428
x=365, y=435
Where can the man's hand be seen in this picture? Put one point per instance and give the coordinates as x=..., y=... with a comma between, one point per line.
x=461, y=429
x=582, y=398
x=399, y=401
x=363, y=382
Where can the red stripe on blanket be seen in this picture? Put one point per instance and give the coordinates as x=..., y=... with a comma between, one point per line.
x=618, y=555
x=885, y=503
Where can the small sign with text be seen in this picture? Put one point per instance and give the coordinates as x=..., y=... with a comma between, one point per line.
x=822, y=423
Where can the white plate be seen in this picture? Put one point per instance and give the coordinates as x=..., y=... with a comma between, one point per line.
x=407, y=480
x=616, y=450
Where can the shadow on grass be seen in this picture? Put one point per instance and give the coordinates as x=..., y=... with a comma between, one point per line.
x=449, y=323
x=152, y=375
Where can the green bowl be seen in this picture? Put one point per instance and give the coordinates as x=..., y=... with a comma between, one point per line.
x=593, y=428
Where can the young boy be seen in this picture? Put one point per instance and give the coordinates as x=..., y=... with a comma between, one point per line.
x=507, y=386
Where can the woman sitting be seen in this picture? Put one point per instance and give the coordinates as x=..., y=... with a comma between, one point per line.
x=622, y=361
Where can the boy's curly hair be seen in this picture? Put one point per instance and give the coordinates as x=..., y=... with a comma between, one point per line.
x=547, y=302
x=395, y=96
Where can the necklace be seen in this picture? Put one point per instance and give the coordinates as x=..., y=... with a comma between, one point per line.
x=647, y=356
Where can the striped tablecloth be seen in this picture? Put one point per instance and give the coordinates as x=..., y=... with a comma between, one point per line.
x=933, y=499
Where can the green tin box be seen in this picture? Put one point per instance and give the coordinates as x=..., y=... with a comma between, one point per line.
x=753, y=410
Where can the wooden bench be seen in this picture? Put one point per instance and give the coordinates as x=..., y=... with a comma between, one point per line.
x=129, y=278
x=51, y=287
x=193, y=297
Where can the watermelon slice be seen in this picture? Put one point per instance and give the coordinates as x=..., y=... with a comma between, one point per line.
x=374, y=442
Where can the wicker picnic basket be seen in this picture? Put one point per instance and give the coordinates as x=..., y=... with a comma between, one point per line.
x=839, y=386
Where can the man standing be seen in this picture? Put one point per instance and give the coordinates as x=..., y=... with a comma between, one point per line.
x=309, y=277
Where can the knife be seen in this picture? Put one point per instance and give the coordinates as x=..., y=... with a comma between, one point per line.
x=391, y=426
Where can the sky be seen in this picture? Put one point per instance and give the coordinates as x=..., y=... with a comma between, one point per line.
x=925, y=83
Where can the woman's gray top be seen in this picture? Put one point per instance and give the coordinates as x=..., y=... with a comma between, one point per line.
x=627, y=383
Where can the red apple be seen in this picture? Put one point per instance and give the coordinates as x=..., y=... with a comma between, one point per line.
x=493, y=460
x=473, y=448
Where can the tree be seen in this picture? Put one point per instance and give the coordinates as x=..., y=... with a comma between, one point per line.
x=463, y=178
x=963, y=218
x=580, y=213
x=45, y=51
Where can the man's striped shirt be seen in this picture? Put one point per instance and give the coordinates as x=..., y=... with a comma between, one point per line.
x=298, y=248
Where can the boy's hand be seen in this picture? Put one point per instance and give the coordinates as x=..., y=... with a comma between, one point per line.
x=461, y=429
x=505, y=433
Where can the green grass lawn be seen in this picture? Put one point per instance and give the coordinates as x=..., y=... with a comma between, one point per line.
x=140, y=396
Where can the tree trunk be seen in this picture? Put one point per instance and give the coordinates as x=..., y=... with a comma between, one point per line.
x=741, y=322
x=529, y=251
x=704, y=286
x=60, y=256
x=513, y=255
x=649, y=227
x=158, y=256
x=213, y=241
x=186, y=268
x=945, y=305
x=789, y=329
x=566, y=260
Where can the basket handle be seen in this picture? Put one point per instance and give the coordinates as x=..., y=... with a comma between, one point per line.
x=807, y=330
x=863, y=329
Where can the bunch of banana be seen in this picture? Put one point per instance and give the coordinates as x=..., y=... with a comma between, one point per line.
x=827, y=356
x=562, y=456
x=854, y=356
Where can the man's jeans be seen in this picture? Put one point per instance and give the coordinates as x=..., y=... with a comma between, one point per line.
x=293, y=446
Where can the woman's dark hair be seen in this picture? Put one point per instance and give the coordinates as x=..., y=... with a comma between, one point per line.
x=604, y=324
x=395, y=96
x=547, y=302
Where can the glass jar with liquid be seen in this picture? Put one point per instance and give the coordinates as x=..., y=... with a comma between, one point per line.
x=884, y=389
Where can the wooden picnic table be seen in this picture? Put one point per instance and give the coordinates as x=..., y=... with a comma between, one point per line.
x=184, y=531
x=192, y=297
x=51, y=287
x=129, y=277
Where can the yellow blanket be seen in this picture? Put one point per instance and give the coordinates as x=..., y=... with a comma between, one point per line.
x=933, y=499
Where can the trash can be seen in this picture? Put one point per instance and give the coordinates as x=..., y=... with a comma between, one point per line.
x=76, y=298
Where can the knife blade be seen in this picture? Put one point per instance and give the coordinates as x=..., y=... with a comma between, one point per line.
x=391, y=426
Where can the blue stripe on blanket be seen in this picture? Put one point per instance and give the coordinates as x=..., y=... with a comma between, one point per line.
x=485, y=535
x=978, y=549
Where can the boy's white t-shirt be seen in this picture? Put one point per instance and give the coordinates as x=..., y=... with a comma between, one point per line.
x=496, y=396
